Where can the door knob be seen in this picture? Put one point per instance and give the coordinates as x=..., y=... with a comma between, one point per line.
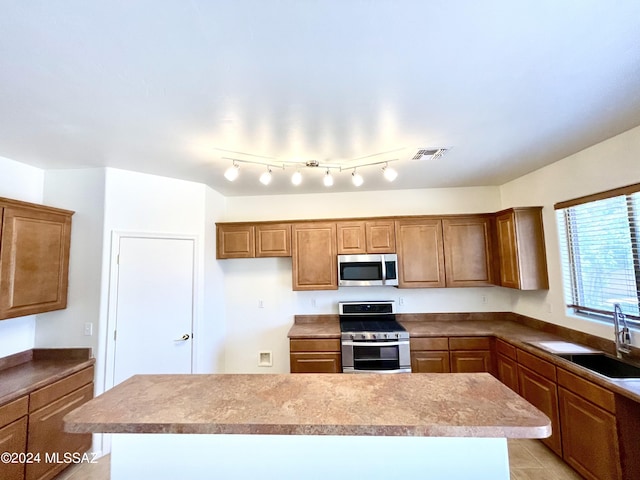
x=184, y=338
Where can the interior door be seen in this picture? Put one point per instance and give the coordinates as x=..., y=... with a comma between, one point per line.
x=154, y=311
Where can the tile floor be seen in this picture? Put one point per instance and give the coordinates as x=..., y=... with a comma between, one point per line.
x=529, y=460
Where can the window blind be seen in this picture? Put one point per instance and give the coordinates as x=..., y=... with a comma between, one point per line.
x=599, y=251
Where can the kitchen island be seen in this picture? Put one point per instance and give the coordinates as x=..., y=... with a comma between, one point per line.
x=310, y=426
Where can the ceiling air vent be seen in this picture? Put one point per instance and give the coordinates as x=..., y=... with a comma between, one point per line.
x=427, y=153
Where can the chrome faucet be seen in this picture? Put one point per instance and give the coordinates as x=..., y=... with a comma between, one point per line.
x=623, y=337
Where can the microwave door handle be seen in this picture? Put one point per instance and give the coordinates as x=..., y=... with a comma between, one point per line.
x=384, y=270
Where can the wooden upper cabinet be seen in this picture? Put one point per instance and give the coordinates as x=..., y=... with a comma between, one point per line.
x=315, y=260
x=34, y=258
x=420, y=253
x=235, y=241
x=521, y=250
x=273, y=240
x=351, y=238
x=467, y=244
x=381, y=236
x=366, y=236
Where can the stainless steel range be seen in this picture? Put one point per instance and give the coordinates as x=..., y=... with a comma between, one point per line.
x=372, y=340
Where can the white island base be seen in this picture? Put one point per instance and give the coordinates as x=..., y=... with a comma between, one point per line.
x=208, y=456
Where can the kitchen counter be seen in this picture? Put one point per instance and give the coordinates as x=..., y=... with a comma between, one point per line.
x=25, y=372
x=504, y=326
x=460, y=405
x=310, y=426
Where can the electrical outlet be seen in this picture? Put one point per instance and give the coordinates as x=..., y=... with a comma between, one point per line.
x=485, y=299
x=88, y=329
x=401, y=301
x=260, y=303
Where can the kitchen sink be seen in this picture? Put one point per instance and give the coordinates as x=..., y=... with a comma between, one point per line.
x=604, y=364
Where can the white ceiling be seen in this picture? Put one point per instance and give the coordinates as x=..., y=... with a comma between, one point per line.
x=162, y=86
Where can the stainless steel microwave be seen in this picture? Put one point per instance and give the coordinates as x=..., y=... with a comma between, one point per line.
x=368, y=270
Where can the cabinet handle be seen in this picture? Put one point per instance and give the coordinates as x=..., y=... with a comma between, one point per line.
x=184, y=338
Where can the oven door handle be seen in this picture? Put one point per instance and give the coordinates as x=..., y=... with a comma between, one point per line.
x=356, y=343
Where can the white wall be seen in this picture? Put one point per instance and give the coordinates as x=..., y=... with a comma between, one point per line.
x=20, y=182
x=609, y=164
x=251, y=328
x=80, y=190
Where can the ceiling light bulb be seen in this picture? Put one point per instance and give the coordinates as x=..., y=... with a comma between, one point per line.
x=232, y=172
x=389, y=173
x=357, y=179
x=296, y=178
x=265, y=178
x=328, y=179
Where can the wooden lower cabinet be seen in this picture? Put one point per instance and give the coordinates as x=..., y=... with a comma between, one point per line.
x=471, y=361
x=507, y=371
x=589, y=438
x=315, y=356
x=543, y=394
x=13, y=437
x=430, y=362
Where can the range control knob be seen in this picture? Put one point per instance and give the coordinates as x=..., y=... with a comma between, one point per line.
x=374, y=336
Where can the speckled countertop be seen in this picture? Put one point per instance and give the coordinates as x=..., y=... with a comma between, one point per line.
x=440, y=405
x=503, y=327
x=38, y=368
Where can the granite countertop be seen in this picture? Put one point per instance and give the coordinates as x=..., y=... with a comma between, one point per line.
x=434, y=405
x=23, y=373
x=503, y=327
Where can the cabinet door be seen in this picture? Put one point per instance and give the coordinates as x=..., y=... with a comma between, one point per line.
x=467, y=251
x=543, y=394
x=430, y=362
x=315, y=261
x=507, y=250
x=273, y=240
x=13, y=439
x=589, y=438
x=34, y=261
x=351, y=238
x=315, y=362
x=507, y=372
x=521, y=249
x=381, y=236
x=470, y=361
x=235, y=241
x=46, y=434
x=420, y=253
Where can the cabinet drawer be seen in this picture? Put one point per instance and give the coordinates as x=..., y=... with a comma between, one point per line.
x=429, y=343
x=14, y=410
x=544, y=368
x=469, y=343
x=590, y=391
x=315, y=362
x=313, y=345
x=506, y=349
x=48, y=394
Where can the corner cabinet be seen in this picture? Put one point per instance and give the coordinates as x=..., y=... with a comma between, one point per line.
x=34, y=258
x=315, y=260
x=521, y=250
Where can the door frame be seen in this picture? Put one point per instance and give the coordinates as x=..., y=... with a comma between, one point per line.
x=116, y=236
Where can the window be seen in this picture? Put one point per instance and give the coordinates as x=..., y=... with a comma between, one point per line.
x=600, y=240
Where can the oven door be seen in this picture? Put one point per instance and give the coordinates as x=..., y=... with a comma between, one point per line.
x=361, y=356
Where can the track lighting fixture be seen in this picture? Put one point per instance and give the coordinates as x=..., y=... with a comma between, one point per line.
x=232, y=172
x=356, y=178
x=296, y=178
x=265, y=178
x=389, y=173
x=328, y=179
